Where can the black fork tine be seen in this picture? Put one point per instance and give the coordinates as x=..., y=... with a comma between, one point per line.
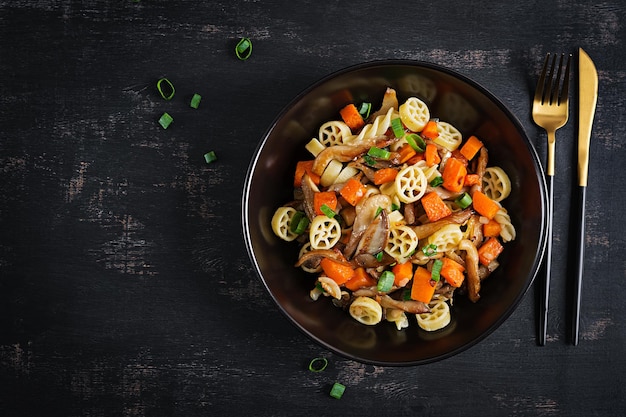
x=551, y=89
x=547, y=89
x=554, y=94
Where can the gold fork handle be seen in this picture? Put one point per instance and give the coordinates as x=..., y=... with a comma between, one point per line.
x=551, y=150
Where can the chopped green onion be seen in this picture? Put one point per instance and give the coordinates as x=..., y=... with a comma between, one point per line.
x=394, y=207
x=385, y=282
x=378, y=211
x=299, y=223
x=436, y=182
x=406, y=295
x=379, y=256
x=397, y=127
x=436, y=270
x=337, y=390
x=430, y=250
x=297, y=216
x=243, y=50
x=302, y=225
x=318, y=364
x=166, y=120
x=379, y=153
x=369, y=160
x=416, y=142
x=210, y=157
x=327, y=211
x=195, y=101
x=168, y=92
x=364, y=110
x=464, y=201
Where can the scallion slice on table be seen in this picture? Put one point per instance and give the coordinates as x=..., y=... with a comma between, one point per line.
x=210, y=157
x=166, y=120
x=385, y=282
x=195, y=101
x=166, y=88
x=337, y=390
x=318, y=364
x=243, y=50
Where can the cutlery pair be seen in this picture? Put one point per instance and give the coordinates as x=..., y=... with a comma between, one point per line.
x=550, y=111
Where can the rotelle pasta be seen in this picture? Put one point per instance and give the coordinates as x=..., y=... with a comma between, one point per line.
x=396, y=216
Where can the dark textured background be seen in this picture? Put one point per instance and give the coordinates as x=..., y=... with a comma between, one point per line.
x=125, y=286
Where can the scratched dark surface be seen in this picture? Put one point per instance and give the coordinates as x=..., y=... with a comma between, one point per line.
x=125, y=286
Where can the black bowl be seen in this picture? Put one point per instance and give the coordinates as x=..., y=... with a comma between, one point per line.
x=451, y=97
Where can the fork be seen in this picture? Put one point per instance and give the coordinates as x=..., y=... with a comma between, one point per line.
x=550, y=112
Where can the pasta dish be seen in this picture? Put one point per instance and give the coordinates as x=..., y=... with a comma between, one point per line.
x=396, y=212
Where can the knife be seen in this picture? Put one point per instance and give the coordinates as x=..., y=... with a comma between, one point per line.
x=587, y=98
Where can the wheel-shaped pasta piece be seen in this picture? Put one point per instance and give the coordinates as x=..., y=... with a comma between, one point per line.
x=402, y=242
x=281, y=220
x=303, y=250
x=398, y=317
x=366, y=310
x=334, y=133
x=414, y=114
x=330, y=174
x=447, y=238
x=449, y=136
x=496, y=183
x=330, y=287
x=410, y=184
x=438, y=318
x=324, y=232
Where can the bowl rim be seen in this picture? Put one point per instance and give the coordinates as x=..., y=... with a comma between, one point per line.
x=543, y=235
